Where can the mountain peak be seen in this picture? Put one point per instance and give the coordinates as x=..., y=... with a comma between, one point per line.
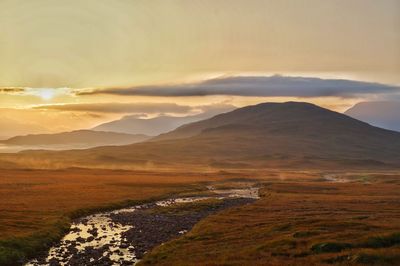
x=280, y=117
x=266, y=134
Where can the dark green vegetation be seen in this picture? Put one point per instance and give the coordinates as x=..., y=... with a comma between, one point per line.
x=15, y=250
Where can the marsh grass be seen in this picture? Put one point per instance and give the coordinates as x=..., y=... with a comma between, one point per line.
x=297, y=223
x=15, y=251
x=52, y=199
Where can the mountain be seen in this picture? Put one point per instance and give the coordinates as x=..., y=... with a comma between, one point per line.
x=380, y=114
x=153, y=126
x=73, y=139
x=265, y=135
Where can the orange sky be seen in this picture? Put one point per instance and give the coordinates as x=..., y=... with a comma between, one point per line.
x=49, y=48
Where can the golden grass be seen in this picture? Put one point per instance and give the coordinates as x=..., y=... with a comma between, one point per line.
x=36, y=206
x=298, y=211
x=306, y=222
x=30, y=199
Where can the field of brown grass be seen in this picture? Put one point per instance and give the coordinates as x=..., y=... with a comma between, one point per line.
x=303, y=217
x=352, y=221
x=30, y=199
x=36, y=206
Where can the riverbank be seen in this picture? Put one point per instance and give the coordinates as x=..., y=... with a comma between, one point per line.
x=38, y=206
x=123, y=236
x=298, y=222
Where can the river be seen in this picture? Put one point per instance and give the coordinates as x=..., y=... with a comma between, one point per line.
x=122, y=237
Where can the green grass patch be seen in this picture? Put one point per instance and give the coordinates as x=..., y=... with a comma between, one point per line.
x=330, y=247
x=381, y=241
x=377, y=259
x=15, y=251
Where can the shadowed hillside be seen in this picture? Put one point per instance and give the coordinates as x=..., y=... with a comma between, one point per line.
x=264, y=135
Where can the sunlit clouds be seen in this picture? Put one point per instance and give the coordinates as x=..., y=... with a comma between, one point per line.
x=74, y=64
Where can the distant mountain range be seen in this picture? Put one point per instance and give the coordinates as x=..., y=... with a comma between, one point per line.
x=265, y=135
x=74, y=139
x=381, y=114
x=132, y=124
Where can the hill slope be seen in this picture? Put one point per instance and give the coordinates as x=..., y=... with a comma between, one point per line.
x=83, y=138
x=380, y=114
x=132, y=124
x=261, y=135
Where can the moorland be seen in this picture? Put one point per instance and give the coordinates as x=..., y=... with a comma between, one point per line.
x=329, y=189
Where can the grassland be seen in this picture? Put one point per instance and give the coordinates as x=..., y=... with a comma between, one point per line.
x=303, y=218
x=354, y=221
x=36, y=206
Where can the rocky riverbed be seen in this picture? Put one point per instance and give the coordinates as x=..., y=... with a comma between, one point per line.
x=121, y=237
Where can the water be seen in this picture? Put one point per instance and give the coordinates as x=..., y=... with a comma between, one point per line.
x=104, y=239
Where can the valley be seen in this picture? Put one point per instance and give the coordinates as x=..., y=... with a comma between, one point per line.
x=327, y=193
x=298, y=213
x=200, y=133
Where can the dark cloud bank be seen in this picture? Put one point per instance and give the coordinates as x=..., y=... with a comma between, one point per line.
x=272, y=86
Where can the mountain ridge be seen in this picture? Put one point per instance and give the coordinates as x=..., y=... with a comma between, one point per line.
x=264, y=135
x=88, y=137
x=132, y=124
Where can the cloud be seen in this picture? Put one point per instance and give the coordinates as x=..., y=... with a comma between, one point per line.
x=12, y=90
x=148, y=108
x=140, y=109
x=264, y=86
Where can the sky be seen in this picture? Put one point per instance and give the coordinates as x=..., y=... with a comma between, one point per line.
x=123, y=57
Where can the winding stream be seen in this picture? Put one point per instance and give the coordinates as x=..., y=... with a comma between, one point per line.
x=121, y=237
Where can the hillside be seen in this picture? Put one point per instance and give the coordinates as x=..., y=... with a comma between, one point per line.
x=380, y=114
x=264, y=135
x=132, y=124
x=78, y=137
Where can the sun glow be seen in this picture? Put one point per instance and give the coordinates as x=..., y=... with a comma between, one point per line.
x=46, y=94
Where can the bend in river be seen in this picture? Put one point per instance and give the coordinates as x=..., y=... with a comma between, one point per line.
x=121, y=237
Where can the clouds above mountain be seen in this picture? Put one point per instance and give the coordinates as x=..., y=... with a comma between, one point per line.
x=137, y=108
x=149, y=108
x=263, y=86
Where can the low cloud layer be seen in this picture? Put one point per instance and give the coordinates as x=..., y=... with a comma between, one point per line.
x=264, y=86
x=11, y=90
x=137, y=108
x=149, y=108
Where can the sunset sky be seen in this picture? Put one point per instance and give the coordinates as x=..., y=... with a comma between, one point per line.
x=68, y=65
